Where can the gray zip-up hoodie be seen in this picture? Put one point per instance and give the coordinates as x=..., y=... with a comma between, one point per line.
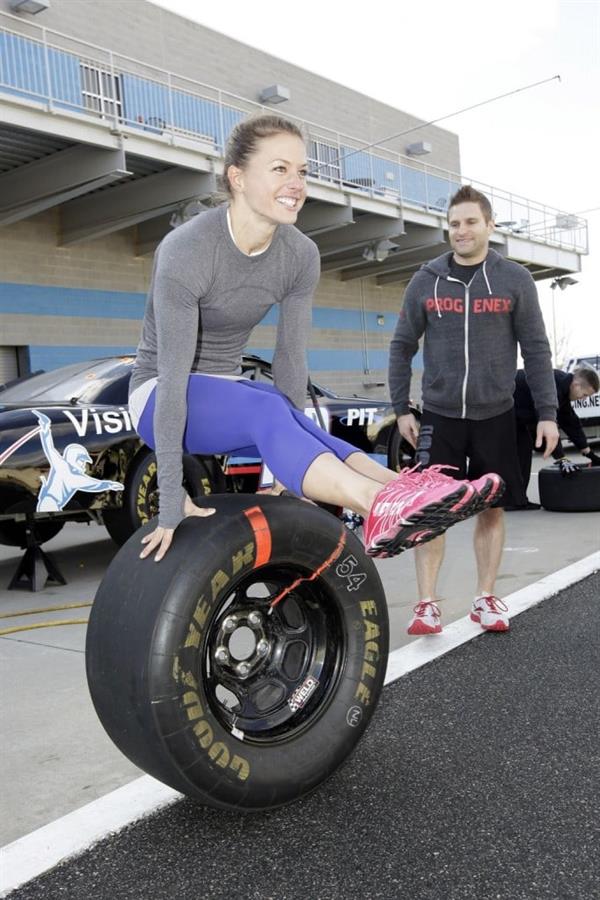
x=471, y=335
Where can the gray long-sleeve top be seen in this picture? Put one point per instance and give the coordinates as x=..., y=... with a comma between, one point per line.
x=205, y=298
x=471, y=336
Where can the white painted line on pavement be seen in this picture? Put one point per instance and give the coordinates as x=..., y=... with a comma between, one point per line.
x=45, y=848
x=36, y=853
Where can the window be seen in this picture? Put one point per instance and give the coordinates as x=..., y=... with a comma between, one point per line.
x=101, y=91
x=324, y=161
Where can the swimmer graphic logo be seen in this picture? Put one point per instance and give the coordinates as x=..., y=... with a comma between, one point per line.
x=67, y=473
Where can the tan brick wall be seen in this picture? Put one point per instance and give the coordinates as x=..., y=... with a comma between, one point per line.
x=350, y=294
x=29, y=254
x=74, y=331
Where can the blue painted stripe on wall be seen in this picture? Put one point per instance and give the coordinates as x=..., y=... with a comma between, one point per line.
x=342, y=360
x=52, y=357
x=48, y=300
x=49, y=357
x=341, y=319
x=328, y=317
x=334, y=360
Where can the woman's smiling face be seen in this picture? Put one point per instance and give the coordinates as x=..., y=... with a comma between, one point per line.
x=272, y=184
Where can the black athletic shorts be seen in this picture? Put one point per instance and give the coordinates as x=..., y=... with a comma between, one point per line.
x=475, y=447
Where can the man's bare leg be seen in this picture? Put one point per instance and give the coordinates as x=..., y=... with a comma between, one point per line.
x=489, y=611
x=428, y=560
x=488, y=542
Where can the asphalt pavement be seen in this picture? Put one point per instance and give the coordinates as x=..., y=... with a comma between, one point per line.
x=478, y=778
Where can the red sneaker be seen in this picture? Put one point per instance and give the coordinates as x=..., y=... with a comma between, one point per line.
x=491, y=613
x=413, y=508
x=427, y=619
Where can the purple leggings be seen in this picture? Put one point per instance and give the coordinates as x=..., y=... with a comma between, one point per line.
x=226, y=416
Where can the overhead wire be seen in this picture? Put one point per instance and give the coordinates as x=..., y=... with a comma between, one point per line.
x=391, y=137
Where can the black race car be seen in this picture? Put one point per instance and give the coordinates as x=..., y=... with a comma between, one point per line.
x=68, y=451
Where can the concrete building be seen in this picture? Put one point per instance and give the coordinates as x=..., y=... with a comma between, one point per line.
x=113, y=118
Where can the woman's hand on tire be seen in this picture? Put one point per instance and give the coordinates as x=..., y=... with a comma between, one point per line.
x=161, y=538
x=190, y=509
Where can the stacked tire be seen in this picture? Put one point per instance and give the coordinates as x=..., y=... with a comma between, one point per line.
x=574, y=493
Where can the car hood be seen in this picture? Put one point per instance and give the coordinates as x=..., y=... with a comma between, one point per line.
x=94, y=427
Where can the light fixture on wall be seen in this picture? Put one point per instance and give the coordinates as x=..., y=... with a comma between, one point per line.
x=517, y=227
x=186, y=211
x=381, y=320
x=275, y=93
x=29, y=6
x=567, y=221
x=420, y=148
x=562, y=282
x=378, y=251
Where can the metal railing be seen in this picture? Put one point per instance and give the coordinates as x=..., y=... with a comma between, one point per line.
x=60, y=72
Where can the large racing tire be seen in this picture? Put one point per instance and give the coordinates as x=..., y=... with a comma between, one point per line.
x=140, y=494
x=573, y=493
x=206, y=680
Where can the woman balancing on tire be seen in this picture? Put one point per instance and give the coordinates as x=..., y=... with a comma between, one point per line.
x=214, y=279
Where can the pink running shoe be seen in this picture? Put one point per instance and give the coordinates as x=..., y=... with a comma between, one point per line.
x=414, y=508
x=490, y=613
x=427, y=619
x=489, y=487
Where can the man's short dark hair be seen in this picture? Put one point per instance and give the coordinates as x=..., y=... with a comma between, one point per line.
x=590, y=376
x=468, y=194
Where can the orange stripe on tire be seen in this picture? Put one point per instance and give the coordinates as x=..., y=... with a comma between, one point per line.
x=262, y=535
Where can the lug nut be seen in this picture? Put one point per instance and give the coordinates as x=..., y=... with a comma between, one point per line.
x=262, y=647
x=221, y=655
x=230, y=623
x=243, y=668
x=254, y=618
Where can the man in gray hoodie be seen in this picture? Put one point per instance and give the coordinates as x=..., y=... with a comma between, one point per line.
x=473, y=307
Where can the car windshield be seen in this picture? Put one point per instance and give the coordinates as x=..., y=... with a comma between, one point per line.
x=80, y=381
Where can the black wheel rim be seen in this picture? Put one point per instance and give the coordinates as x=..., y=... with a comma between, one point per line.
x=270, y=671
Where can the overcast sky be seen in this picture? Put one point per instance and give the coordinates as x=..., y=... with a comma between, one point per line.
x=432, y=58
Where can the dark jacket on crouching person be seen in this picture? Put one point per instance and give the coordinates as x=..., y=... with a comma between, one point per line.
x=566, y=417
x=526, y=418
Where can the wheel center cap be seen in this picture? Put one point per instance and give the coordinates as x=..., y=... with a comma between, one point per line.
x=242, y=644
